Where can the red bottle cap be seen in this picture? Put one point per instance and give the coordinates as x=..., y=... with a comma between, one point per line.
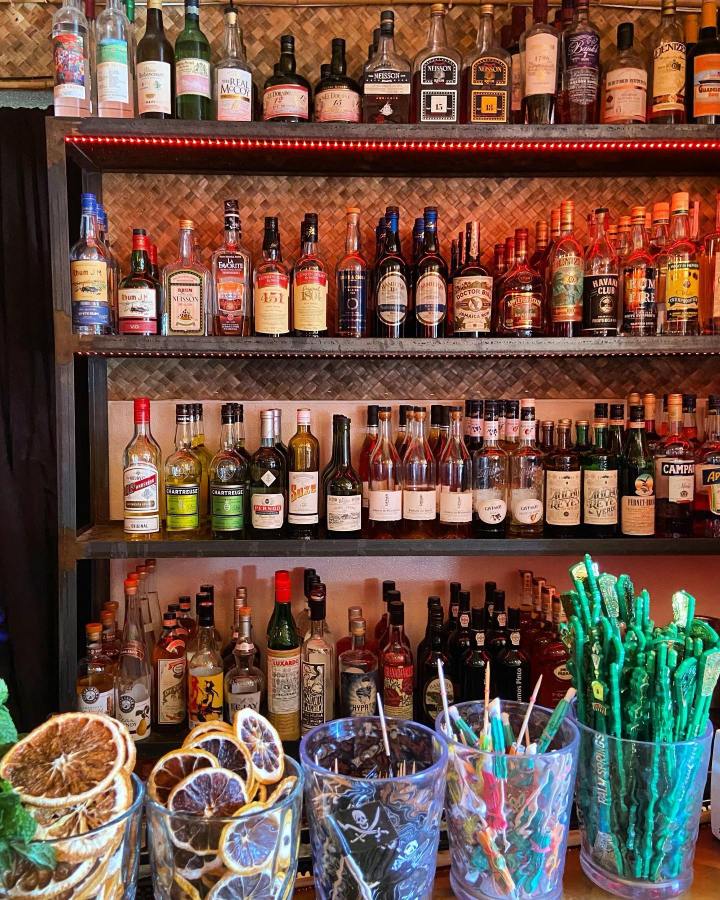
x=282, y=586
x=140, y=241
x=142, y=410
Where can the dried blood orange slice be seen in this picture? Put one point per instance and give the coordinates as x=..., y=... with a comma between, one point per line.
x=173, y=767
x=66, y=760
x=248, y=845
x=192, y=866
x=264, y=744
x=24, y=880
x=198, y=800
x=228, y=750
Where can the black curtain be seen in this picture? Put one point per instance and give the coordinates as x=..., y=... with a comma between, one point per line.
x=28, y=517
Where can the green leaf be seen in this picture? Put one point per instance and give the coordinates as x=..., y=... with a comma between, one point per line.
x=8, y=731
x=39, y=853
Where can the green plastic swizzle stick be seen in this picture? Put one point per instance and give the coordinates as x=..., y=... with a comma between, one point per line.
x=707, y=676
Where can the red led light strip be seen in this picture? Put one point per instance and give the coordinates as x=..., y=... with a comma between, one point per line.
x=313, y=144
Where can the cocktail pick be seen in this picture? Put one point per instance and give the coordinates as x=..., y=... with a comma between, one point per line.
x=555, y=720
x=463, y=727
x=683, y=688
x=443, y=696
x=516, y=745
x=486, y=705
x=507, y=730
x=708, y=672
x=607, y=584
x=383, y=728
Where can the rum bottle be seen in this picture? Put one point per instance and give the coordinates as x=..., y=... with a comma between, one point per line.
x=232, y=279
x=624, y=99
x=419, y=481
x=309, y=284
x=430, y=693
x=522, y=298
x=169, y=675
x=186, y=287
x=562, y=486
x=286, y=97
x=183, y=477
x=397, y=668
x=271, y=286
x=244, y=682
x=234, y=92
x=267, y=483
x=551, y=662
x=472, y=291
x=674, y=477
x=387, y=79
x=141, y=478
x=707, y=475
x=490, y=480
x=90, y=293
x=487, y=76
x=710, y=277
x=95, y=687
x=682, y=286
x=343, y=491
x=539, y=53
x=133, y=683
x=431, y=286
x=565, y=278
x=385, y=492
x=193, y=91
x=352, y=283
x=436, y=75
x=667, y=74
x=227, y=483
x=391, y=285
x=526, y=479
x=317, y=668
x=337, y=96
x=704, y=106
x=303, y=480
x=580, y=63
x=139, y=310
x=639, y=287
x=205, y=673
x=455, y=482
x=358, y=668
x=510, y=671
x=283, y=663
x=600, y=486
x=600, y=283
x=637, y=484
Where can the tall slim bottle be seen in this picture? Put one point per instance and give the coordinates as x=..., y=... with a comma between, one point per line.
x=183, y=476
x=371, y=439
x=283, y=664
x=385, y=492
x=600, y=486
x=419, y=479
x=267, y=483
x=455, y=483
x=637, y=482
x=706, y=509
x=666, y=100
x=205, y=675
x=397, y=668
x=624, y=100
x=710, y=277
x=352, y=283
x=539, y=48
x=309, y=284
x=601, y=283
x=703, y=63
x=358, y=669
x=639, y=281
x=169, y=675
x=682, y=284
x=317, y=668
x=141, y=478
x=232, y=279
x=155, y=68
x=133, y=683
x=565, y=278
x=487, y=76
x=244, y=682
x=71, y=50
x=526, y=479
x=193, y=90
x=490, y=479
x=436, y=75
x=233, y=78
x=387, y=79
x=303, y=479
x=343, y=491
x=227, y=483
x=580, y=64
x=674, y=477
x=90, y=296
x=271, y=286
x=563, y=486
x=115, y=63
x=472, y=291
x=392, y=285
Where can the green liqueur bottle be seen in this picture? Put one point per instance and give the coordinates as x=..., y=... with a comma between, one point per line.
x=637, y=483
x=227, y=482
x=193, y=94
x=283, y=663
x=343, y=492
x=183, y=474
x=600, y=486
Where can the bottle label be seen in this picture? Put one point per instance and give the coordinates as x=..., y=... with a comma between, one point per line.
x=69, y=67
x=706, y=90
x=337, y=104
x=386, y=506
x=432, y=697
x=512, y=429
x=312, y=708
x=352, y=289
x=386, y=94
x=526, y=510
x=358, y=693
x=233, y=93
x=472, y=299
x=182, y=503
x=238, y=699
x=92, y=700
x=523, y=310
x=205, y=697
x=392, y=298
x=419, y=506
x=272, y=303
x=134, y=649
x=473, y=427
x=283, y=690
x=137, y=311
x=669, y=77
x=310, y=300
x=192, y=76
x=562, y=498
x=601, y=497
x=135, y=713
x=680, y=479
x=517, y=83
x=489, y=94
x=231, y=292
x=566, y=300
x=430, y=298
x=492, y=431
x=625, y=95
x=682, y=291
x=170, y=681
x=398, y=691
x=227, y=507
x=186, y=302
x=344, y=513
x=365, y=494
x=707, y=481
x=601, y=301
x=112, y=71
x=582, y=63
x=285, y=100
x=541, y=58
x=89, y=292
x=141, y=503
x=267, y=511
x=638, y=512
x=639, y=309
x=490, y=509
x=154, y=78
x=303, y=498
x=456, y=507
x=438, y=105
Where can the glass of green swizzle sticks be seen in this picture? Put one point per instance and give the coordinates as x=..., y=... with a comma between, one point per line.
x=642, y=706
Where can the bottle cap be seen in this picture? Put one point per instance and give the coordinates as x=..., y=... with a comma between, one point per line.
x=130, y=586
x=455, y=588
x=141, y=410
x=708, y=15
x=499, y=601
x=617, y=411
x=601, y=410
x=680, y=202
x=372, y=415
x=107, y=617
x=282, y=586
x=464, y=600
x=303, y=417
x=397, y=612
x=287, y=43
x=637, y=215
x=435, y=414
x=625, y=35
x=169, y=619
x=357, y=626
x=354, y=612
x=689, y=402
x=438, y=9
x=477, y=618
x=387, y=588
x=187, y=224
x=93, y=628
x=317, y=609
x=637, y=414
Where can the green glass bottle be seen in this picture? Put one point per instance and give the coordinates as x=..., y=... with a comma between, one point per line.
x=637, y=480
x=193, y=94
x=283, y=663
x=600, y=487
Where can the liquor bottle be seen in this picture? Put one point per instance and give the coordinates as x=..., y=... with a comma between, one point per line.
x=453, y=620
x=385, y=491
x=239, y=602
x=459, y=642
x=169, y=676
x=309, y=284
x=352, y=283
x=185, y=617
x=600, y=283
x=286, y=97
x=227, y=483
x=616, y=429
x=674, y=477
x=71, y=50
x=639, y=287
x=546, y=436
x=625, y=80
x=95, y=686
x=387, y=79
x=138, y=293
x=371, y=439
x=205, y=673
x=302, y=621
x=115, y=63
x=538, y=260
x=436, y=75
x=343, y=491
x=455, y=483
x=689, y=429
x=703, y=61
x=141, y=482
x=526, y=479
x=431, y=286
x=487, y=76
x=710, y=277
x=682, y=286
x=232, y=279
x=405, y=412
x=490, y=480
x=383, y=622
x=89, y=282
x=244, y=682
x=707, y=475
x=186, y=287
x=474, y=664
x=239, y=431
x=183, y=476
x=649, y=404
x=397, y=668
x=110, y=639
x=155, y=68
x=433, y=603
x=522, y=295
x=429, y=703
x=667, y=73
x=562, y=486
x=345, y=642
x=419, y=481
x=337, y=96
x=193, y=91
x=600, y=486
x=637, y=488
x=539, y=47
x=510, y=671
x=391, y=285
x=433, y=436
x=551, y=662
x=267, y=483
x=303, y=480
x=113, y=264
x=233, y=78
x=565, y=277
x=472, y=291
x=133, y=683
x=358, y=669
x=271, y=286
x=518, y=21
x=580, y=63
x=509, y=424
x=473, y=425
x=498, y=637
x=317, y=668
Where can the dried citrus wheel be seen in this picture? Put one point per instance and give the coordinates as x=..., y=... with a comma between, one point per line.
x=228, y=750
x=263, y=742
x=181, y=889
x=282, y=791
x=243, y=887
x=262, y=793
x=170, y=770
x=193, y=866
x=24, y=880
x=203, y=796
x=131, y=750
x=204, y=728
x=66, y=760
x=247, y=846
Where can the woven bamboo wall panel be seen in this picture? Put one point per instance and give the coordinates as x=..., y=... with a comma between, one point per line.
x=333, y=380
x=25, y=30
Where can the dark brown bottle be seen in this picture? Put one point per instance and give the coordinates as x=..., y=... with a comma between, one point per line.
x=474, y=664
x=459, y=641
x=510, y=671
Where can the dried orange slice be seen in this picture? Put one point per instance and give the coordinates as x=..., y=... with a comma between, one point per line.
x=243, y=887
x=181, y=889
x=204, y=728
x=193, y=866
x=263, y=742
x=66, y=760
x=199, y=799
x=228, y=750
x=170, y=770
x=282, y=791
x=24, y=880
x=248, y=845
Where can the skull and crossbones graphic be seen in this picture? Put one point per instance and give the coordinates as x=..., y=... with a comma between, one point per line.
x=363, y=829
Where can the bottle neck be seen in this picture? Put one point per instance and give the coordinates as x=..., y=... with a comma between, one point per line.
x=287, y=62
x=392, y=243
x=358, y=641
x=395, y=634
x=486, y=32
x=232, y=48
x=437, y=36
x=267, y=436
x=308, y=247
x=271, y=245
x=600, y=437
x=338, y=64
x=343, y=446
x=186, y=248
x=385, y=430
x=227, y=442
x=527, y=431
x=352, y=235
x=456, y=429
x=520, y=252
x=638, y=238
x=563, y=439
x=142, y=429
x=232, y=232
x=675, y=418
x=183, y=435
x=317, y=627
x=386, y=44
x=430, y=241
x=567, y=226
x=154, y=20
x=679, y=225
x=712, y=426
x=139, y=262
x=88, y=229
x=192, y=13
x=491, y=432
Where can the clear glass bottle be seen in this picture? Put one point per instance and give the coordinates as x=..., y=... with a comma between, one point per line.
x=371, y=439
x=674, y=477
x=232, y=279
x=205, y=673
x=490, y=479
x=703, y=64
x=565, y=278
x=95, y=685
x=526, y=479
x=580, y=64
x=472, y=291
x=387, y=79
x=169, y=676
x=391, y=281
x=238, y=603
x=303, y=480
x=343, y=491
x=141, y=478
x=139, y=302
x=666, y=99
x=309, y=284
x=186, y=288
x=522, y=295
x=710, y=277
x=385, y=493
x=71, y=50
x=233, y=78
x=455, y=483
x=419, y=479
x=183, y=476
x=155, y=68
x=601, y=283
x=397, y=669
x=625, y=81
x=283, y=663
x=682, y=284
x=639, y=275
x=115, y=63
x=436, y=75
x=317, y=668
x=431, y=286
x=113, y=264
x=133, y=683
x=358, y=669
x=89, y=282
x=286, y=97
x=267, y=483
x=271, y=286
x=193, y=84
x=244, y=681
x=227, y=483
x=337, y=97
x=473, y=425
x=539, y=52
x=600, y=486
x=352, y=281
x=706, y=508
x=563, y=486
x=637, y=483
x=487, y=76
x=110, y=639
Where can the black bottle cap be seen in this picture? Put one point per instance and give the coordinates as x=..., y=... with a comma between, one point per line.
x=601, y=410
x=445, y=416
x=419, y=226
x=499, y=601
x=206, y=617
x=435, y=414
x=169, y=619
x=490, y=588
x=404, y=407
x=393, y=597
x=512, y=408
x=185, y=598
x=387, y=15
x=617, y=410
x=338, y=43
x=182, y=414
x=689, y=402
x=208, y=589
x=200, y=599
x=477, y=618
x=387, y=588
x=287, y=43
x=713, y=402
x=385, y=409
x=372, y=414
x=227, y=413
x=455, y=588
x=139, y=231
x=271, y=223
x=625, y=35
x=513, y=617
x=433, y=601
x=464, y=600
x=317, y=608
x=637, y=413
x=397, y=612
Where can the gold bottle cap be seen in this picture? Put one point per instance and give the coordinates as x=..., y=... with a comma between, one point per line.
x=674, y=400
x=352, y=210
x=680, y=202
x=624, y=222
x=661, y=212
x=487, y=9
x=638, y=215
x=187, y=224
x=437, y=8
